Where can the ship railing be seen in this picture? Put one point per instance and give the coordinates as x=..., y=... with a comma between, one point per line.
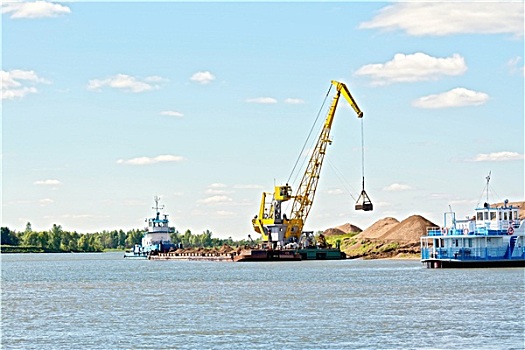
x=470, y=253
x=452, y=231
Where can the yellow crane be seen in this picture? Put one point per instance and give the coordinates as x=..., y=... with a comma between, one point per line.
x=271, y=223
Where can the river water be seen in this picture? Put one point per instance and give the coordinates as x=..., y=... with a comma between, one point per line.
x=101, y=301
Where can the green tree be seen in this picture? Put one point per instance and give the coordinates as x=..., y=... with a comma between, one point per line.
x=205, y=238
x=175, y=237
x=30, y=238
x=121, y=239
x=43, y=239
x=83, y=243
x=69, y=241
x=187, y=239
x=55, y=237
x=72, y=244
x=133, y=237
x=8, y=237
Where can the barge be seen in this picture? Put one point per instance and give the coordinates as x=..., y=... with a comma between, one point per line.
x=308, y=248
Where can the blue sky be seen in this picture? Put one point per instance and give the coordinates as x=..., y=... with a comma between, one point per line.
x=105, y=105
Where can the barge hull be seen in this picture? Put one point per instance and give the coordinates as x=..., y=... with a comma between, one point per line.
x=267, y=255
x=290, y=254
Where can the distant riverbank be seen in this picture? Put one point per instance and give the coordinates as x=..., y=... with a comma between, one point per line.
x=11, y=249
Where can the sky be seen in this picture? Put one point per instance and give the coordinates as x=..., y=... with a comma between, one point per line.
x=208, y=104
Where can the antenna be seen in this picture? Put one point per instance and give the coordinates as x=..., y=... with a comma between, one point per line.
x=156, y=207
x=488, y=180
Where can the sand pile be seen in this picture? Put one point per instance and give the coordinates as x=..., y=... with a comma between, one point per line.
x=379, y=228
x=408, y=230
x=347, y=228
x=333, y=232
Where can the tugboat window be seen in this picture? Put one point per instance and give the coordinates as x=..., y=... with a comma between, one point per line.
x=492, y=216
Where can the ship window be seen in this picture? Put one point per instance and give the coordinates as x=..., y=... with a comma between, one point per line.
x=480, y=216
x=492, y=216
x=505, y=215
x=500, y=215
x=486, y=216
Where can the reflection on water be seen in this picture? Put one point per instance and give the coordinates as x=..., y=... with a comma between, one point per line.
x=101, y=301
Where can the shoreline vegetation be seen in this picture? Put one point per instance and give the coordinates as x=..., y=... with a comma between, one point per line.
x=57, y=240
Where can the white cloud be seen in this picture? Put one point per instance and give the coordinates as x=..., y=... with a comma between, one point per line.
x=395, y=187
x=50, y=182
x=18, y=83
x=262, y=100
x=514, y=65
x=35, y=9
x=413, y=67
x=457, y=97
x=497, y=157
x=448, y=18
x=126, y=83
x=216, y=191
x=45, y=201
x=294, y=101
x=218, y=199
x=218, y=185
x=203, y=77
x=155, y=79
x=224, y=213
x=172, y=114
x=167, y=158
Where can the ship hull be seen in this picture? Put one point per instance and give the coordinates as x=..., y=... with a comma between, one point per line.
x=439, y=263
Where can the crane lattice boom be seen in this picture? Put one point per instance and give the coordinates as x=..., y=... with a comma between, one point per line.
x=271, y=223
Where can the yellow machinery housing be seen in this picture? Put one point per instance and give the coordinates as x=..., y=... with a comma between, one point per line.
x=271, y=223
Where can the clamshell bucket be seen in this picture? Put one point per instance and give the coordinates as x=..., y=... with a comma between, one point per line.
x=363, y=202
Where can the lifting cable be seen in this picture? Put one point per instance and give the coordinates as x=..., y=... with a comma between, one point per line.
x=348, y=188
x=363, y=153
x=310, y=134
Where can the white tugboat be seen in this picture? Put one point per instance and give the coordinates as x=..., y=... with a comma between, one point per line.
x=494, y=237
x=156, y=238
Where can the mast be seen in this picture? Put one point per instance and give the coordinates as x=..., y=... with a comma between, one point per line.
x=156, y=207
x=488, y=180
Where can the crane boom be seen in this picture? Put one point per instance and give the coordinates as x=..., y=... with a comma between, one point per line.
x=305, y=195
x=271, y=223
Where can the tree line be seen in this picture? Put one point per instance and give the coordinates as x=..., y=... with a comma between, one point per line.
x=59, y=240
